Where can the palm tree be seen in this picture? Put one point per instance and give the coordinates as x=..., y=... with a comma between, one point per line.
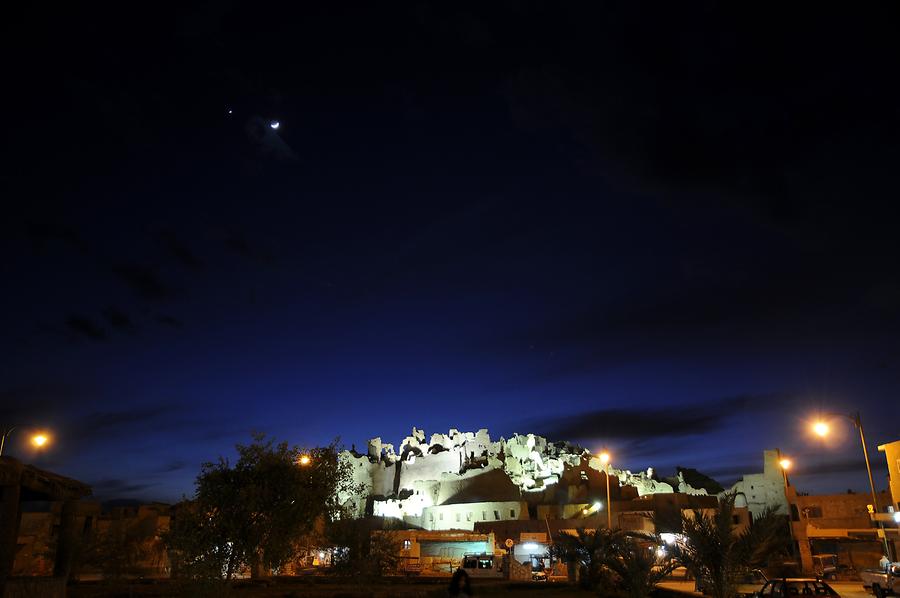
x=766, y=540
x=637, y=564
x=717, y=556
x=585, y=552
x=709, y=549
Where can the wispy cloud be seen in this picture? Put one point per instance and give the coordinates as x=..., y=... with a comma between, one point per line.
x=85, y=327
x=118, y=319
x=116, y=487
x=180, y=251
x=170, y=321
x=143, y=280
x=650, y=423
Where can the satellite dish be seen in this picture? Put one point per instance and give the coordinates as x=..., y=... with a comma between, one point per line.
x=509, y=543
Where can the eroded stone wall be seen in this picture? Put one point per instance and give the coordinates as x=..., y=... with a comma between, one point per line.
x=468, y=467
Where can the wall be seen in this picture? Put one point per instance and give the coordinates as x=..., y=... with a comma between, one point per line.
x=761, y=490
x=892, y=454
x=35, y=587
x=36, y=544
x=464, y=516
x=849, y=511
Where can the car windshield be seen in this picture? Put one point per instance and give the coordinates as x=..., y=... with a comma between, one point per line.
x=806, y=588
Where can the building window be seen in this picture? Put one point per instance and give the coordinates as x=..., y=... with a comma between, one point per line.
x=484, y=515
x=407, y=544
x=497, y=515
x=457, y=517
x=512, y=513
x=441, y=516
x=469, y=516
x=812, y=511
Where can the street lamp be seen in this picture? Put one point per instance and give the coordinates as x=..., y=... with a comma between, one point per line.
x=604, y=459
x=305, y=460
x=821, y=428
x=39, y=440
x=785, y=464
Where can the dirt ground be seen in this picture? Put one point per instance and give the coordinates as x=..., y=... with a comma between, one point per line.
x=319, y=587
x=324, y=588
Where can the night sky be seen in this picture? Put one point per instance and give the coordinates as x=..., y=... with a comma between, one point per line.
x=668, y=230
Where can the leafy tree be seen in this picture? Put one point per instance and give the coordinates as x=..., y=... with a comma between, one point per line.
x=120, y=548
x=363, y=548
x=252, y=514
x=113, y=551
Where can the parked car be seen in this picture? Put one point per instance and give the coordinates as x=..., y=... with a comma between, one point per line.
x=826, y=565
x=794, y=586
x=882, y=582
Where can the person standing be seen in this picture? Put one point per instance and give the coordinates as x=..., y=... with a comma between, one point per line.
x=460, y=587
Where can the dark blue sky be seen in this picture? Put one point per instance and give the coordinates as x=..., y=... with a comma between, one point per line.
x=668, y=231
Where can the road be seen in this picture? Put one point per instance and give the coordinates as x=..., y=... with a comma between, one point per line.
x=847, y=589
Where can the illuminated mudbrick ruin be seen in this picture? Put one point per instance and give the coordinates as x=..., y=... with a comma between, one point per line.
x=454, y=480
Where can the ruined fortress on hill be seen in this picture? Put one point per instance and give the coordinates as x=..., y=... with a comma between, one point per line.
x=454, y=480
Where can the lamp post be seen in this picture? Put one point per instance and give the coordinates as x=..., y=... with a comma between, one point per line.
x=821, y=428
x=604, y=458
x=785, y=465
x=39, y=440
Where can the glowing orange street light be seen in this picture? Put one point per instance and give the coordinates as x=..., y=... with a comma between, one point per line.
x=37, y=440
x=785, y=464
x=604, y=459
x=305, y=460
x=821, y=429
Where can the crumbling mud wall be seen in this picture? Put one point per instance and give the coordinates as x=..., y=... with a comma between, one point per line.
x=469, y=467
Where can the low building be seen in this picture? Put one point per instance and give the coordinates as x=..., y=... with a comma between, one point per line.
x=440, y=552
x=838, y=524
x=122, y=541
x=23, y=483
